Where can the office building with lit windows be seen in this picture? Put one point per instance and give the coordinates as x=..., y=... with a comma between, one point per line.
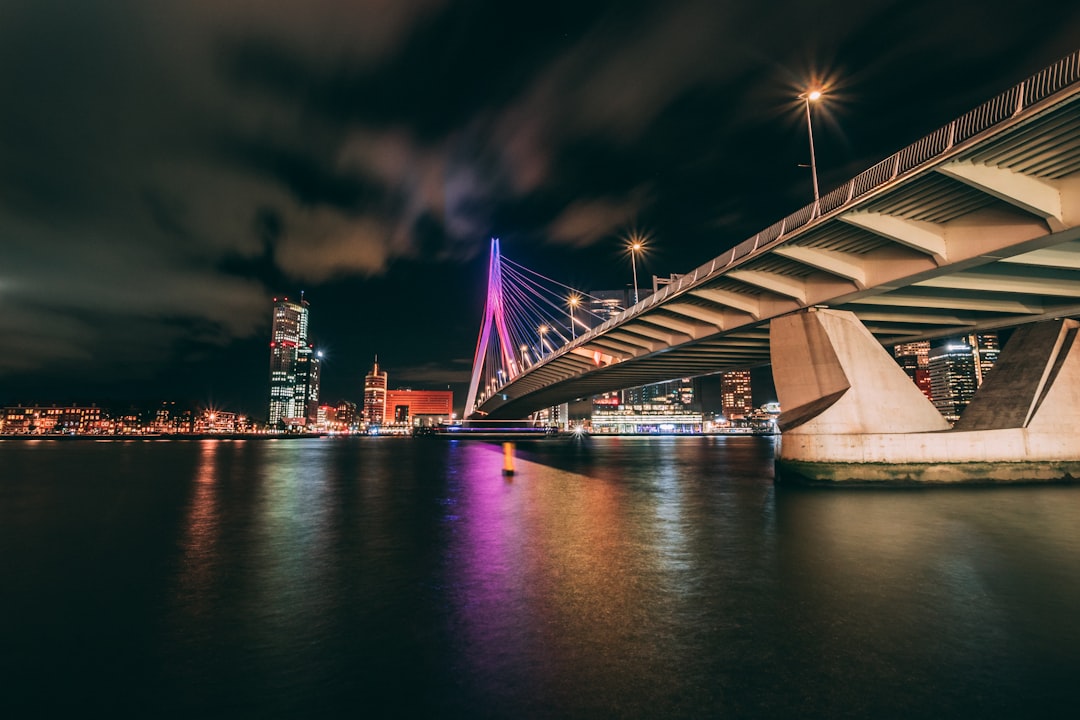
x=958, y=367
x=294, y=366
x=736, y=398
x=914, y=359
x=374, y=412
x=419, y=407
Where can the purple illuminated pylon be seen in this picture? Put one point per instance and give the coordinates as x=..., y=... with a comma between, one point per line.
x=494, y=321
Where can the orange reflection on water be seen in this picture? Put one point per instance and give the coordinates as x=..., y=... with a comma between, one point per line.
x=199, y=563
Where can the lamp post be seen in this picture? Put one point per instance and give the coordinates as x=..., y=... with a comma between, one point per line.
x=807, y=98
x=543, y=332
x=573, y=301
x=635, y=245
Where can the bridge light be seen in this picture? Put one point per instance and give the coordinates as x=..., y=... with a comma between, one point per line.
x=573, y=301
x=807, y=98
x=635, y=245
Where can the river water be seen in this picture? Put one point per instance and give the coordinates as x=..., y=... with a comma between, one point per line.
x=610, y=577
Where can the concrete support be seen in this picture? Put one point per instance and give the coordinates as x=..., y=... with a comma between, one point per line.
x=852, y=416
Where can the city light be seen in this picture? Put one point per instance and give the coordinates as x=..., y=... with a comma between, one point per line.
x=807, y=98
x=635, y=245
x=573, y=301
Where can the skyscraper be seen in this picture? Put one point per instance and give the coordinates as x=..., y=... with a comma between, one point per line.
x=736, y=399
x=986, y=349
x=957, y=368
x=294, y=366
x=375, y=395
x=914, y=358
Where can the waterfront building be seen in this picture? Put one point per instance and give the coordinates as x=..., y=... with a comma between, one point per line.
x=914, y=359
x=375, y=395
x=666, y=407
x=736, y=396
x=406, y=406
x=647, y=418
x=308, y=373
x=290, y=384
x=345, y=414
x=36, y=420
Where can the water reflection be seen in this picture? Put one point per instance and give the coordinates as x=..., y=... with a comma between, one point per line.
x=617, y=577
x=200, y=566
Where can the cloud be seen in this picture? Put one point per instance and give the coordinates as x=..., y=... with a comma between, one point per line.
x=177, y=162
x=586, y=221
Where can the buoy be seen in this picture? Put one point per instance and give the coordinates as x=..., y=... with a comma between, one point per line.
x=508, y=458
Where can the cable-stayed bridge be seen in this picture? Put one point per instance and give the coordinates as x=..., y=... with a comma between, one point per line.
x=974, y=227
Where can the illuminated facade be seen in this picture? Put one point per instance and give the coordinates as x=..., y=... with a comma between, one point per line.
x=375, y=396
x=73, y=419
x=736, y=397
x=914, y=359
x=419, y=407
x=957, y=368
x=294, y=366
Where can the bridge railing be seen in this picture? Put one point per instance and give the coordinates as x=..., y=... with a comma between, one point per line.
x=1041, y=86
x=1001, y=108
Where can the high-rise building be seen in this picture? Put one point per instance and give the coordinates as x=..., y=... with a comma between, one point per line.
x=914, y=359
x=375, y=395
x=736, y=398
x=986, y=349
x=957, y=367
x=294, y=366
x=308, y=375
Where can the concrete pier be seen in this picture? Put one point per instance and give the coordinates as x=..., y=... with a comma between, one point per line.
x=853, y=416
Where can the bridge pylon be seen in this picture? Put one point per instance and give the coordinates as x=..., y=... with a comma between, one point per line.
x=493, y=322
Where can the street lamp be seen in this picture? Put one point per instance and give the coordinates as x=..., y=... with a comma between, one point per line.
x=574, y=301
x=524, y=355
x=807, y=98
x=635, y=245
x=543, y=331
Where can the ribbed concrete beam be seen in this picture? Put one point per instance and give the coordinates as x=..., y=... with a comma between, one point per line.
x=844, y=265
x=983, y=281
x=631, y=338
x=705, y=315
x=1064, y=256
x=916, y=234
x=748, y=304
x=785, y=285
x=1035, y=195
x=690, y=330
x=946, y=301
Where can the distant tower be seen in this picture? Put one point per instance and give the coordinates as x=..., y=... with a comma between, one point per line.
x=987, y=349
x=375, y=395
x=736, y=400
x=914, y=358
x=287, y=335
x=957, y=368
x=306, y=391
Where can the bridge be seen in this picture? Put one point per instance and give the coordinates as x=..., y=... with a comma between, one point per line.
x=974, y=227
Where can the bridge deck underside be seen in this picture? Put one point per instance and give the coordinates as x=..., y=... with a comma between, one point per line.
x=986, y=236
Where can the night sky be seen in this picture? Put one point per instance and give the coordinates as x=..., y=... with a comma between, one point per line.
x=167, y=167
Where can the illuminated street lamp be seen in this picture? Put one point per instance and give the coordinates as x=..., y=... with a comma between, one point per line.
x=807, y=98
x=573, y=301
x=524, y=355
x=635, y=244
x=543, y=332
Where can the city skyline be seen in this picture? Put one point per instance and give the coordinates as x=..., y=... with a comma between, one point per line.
x=365, y=154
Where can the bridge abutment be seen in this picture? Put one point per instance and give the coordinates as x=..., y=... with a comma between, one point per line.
x=851, y=415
